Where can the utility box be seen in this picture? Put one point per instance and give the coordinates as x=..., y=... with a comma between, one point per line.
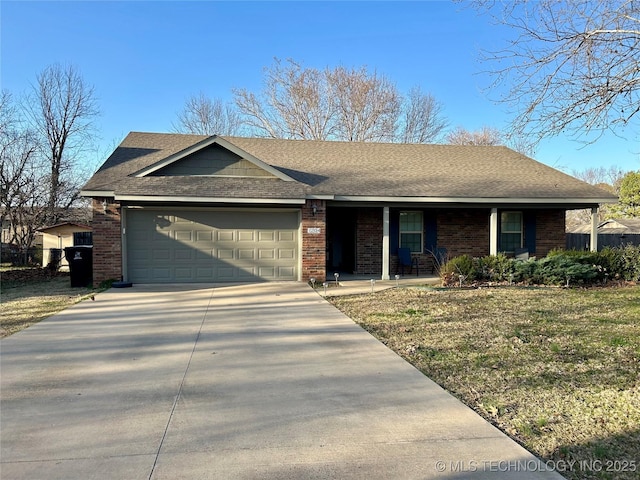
x=80, y=261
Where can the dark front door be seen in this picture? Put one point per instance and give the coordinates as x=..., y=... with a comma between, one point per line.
x=341, y=240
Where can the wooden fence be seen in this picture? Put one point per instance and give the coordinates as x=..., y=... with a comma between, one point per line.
x=581, y=241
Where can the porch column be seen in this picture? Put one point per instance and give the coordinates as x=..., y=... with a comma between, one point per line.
x=493, y=232
x=594, y=229
x=385, y=243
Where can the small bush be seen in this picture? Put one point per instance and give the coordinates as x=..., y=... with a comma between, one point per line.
x=496, y=268
x=462, y=267
x=630, y=262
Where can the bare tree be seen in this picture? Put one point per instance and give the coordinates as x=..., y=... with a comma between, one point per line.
x=368, y=105
x=484, y=136
x=61, y=110
x=202, y=115
x=602, y=176
x=608, y=179
x=296, y=103
x=23, y=180
x=349, y=104
x=572, y=66
x=421, y=119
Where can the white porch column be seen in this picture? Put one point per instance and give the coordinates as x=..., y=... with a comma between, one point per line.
x=594, y=229
x=385, y=243
x=493, y=232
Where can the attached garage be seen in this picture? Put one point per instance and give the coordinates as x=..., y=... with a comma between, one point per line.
x=211, y=245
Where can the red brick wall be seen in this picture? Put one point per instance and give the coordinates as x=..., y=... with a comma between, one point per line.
x=464, y=232
x=107, y=241
x=314, y=245
x=369, y=241
x=550, y=231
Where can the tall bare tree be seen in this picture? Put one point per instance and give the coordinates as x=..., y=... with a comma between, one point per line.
x=421, y=120
x=296, y=103
x=368, y=105
x=202, y=115
x=349, y=104
x=61, y=109
x=572, y=66
x=23, y=180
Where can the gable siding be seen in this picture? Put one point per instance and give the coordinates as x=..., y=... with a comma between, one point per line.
x=213, y=160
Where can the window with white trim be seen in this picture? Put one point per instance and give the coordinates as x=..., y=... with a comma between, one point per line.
x=510, y=231
x=411, y=231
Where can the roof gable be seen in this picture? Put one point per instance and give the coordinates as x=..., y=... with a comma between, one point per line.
x=212, y=157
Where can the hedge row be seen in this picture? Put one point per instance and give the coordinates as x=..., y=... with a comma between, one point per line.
x=560, y=267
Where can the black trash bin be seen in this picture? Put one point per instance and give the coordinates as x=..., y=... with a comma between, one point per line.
x=80, y=261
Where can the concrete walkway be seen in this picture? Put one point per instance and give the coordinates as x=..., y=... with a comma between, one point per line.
x=260, y=381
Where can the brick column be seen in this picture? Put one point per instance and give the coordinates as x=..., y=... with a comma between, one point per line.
x=314, y=240
x=107, y=241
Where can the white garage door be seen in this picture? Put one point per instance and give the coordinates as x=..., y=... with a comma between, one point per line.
x=211, y=246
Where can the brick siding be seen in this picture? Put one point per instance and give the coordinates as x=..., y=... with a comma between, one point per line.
x=314, y=245
x=550, y=231
x=369, y=241
x=464, y=232
x=107, y=241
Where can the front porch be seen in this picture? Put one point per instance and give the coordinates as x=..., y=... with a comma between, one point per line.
x=360, y=241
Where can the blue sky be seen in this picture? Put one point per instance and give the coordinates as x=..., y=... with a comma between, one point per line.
x=145, y=58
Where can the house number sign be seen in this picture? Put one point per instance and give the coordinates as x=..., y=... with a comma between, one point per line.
x=313, y=231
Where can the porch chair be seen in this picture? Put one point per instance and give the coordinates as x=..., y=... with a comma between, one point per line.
x=406, y=260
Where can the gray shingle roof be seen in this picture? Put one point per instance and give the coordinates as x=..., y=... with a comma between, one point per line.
x=346, y=169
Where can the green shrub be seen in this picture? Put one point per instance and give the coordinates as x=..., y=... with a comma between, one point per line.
x=496, y=268
x=630, y=262
x=462, y=266
x=559, y=267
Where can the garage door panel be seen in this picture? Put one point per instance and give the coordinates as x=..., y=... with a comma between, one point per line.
x=286, y=236
x=286, y=253
x=266, y=236
x=182, y=273
x=266, y=254
x=246, y=236
x=246, y=254
x=225, y=254
x=206, y=246
x=226, y=236
x=286, y=273
x=184, y=235
x=184, y=254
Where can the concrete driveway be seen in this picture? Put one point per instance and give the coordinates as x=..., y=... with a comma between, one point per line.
x=262, y=381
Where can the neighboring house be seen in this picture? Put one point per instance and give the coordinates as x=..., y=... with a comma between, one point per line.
x=187, y=208
x=611, y=233
x=63, y=235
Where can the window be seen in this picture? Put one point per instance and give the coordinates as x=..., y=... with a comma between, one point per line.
x=411, y=231
x=82, y=238
x=510, y=231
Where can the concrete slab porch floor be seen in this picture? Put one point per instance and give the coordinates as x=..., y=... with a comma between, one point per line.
x=264, y=381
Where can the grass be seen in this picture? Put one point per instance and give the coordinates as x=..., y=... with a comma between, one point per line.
x=556, y=369
x=25, y=303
